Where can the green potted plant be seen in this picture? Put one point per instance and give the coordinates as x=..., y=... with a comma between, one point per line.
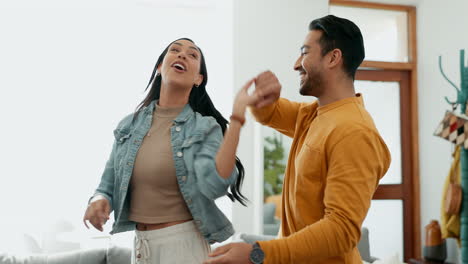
x=273, y=165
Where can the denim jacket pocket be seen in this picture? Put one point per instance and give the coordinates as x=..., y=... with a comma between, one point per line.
x=121, y=135
x=190, y=141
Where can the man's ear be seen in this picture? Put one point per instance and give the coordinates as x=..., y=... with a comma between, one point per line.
x=335, y=58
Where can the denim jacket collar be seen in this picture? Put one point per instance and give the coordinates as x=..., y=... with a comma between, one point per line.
x=186, y=113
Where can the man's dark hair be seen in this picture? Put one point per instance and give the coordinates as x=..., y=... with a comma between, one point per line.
x=343, y=34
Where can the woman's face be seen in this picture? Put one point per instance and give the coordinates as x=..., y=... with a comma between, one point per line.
x=181, y=65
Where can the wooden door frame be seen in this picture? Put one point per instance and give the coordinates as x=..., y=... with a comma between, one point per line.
x=403, y=191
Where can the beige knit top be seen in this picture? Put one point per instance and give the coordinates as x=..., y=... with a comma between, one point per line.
x=154, y=192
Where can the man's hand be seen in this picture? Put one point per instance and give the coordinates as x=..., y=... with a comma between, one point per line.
x=97, y=213
x=267, y=88
x=236, y=253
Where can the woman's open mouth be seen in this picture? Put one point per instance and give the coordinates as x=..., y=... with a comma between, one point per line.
x=179, y=67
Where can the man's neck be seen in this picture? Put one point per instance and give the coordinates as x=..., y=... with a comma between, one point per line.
x=336, y=91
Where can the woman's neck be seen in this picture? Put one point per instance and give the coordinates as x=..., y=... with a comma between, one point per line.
x=173, y=96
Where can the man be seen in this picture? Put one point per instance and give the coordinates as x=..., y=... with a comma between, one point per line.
x=336, y=159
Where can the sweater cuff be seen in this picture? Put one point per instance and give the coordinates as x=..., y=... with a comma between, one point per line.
x=276, y=251
x=264, y=113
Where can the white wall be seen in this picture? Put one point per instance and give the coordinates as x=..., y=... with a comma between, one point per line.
x=268, y=35
x=70, y=70
x=439, y=33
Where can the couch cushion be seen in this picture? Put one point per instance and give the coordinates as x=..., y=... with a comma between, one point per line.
x=247, y=238
x=86, y=256
x=11, y=259
x=269, y=213
x=363, y=245
x=118, y=255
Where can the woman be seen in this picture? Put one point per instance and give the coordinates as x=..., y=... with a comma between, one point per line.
x=169, y=163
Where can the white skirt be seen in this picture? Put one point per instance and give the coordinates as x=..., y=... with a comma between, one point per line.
x=181, y=243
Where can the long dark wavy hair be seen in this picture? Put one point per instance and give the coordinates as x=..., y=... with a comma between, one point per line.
x=200, y=102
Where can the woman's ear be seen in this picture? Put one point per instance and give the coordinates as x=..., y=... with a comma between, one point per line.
x=158, y=69
x=198, y=80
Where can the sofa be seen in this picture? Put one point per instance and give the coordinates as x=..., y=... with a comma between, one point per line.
x=271, y=224
x=111, y=255
x=121, y=255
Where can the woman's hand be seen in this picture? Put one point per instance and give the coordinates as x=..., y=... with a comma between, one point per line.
x=97, y=213
x=226, y=156
x=244, y=99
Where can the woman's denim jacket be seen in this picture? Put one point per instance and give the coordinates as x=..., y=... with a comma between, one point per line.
x=195, y=141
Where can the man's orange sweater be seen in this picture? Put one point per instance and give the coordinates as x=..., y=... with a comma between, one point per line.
x=335, y=163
